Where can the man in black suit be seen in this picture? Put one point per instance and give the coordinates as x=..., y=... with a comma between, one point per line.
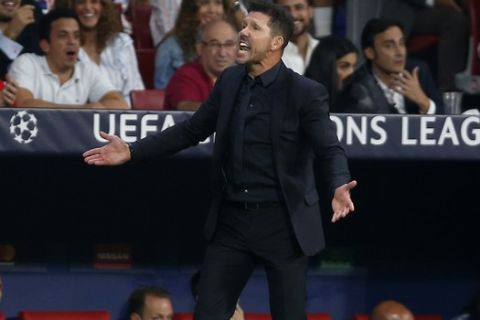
x=19, y=31
x=388, y=82
x=270, y=123
x=447, y=19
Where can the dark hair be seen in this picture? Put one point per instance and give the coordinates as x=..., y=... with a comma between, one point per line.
x=376, y=26
x=136, y=301
x=310, y=2
x=280, y=22
x=109, y=23
x=45, y=26
x=322, y=67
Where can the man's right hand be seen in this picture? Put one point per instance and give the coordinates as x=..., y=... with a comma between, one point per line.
x=22, y=18
x=115, y=152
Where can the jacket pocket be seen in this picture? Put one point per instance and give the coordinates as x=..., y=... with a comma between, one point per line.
x=311, y=197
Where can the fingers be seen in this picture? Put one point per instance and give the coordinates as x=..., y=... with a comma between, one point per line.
x=352, y=184
x=91, y=152
x=106, y=136
x=95, y=159
x=339, y=214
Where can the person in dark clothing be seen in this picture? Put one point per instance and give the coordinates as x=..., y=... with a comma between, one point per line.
x=18, y=31
x=270, y=124
x=446, y=19
x=333, y=61
x=388, y=82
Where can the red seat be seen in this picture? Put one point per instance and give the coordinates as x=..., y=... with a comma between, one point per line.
x=146, y=66
x=421, y=42
x=319, y=316
x=2, y=316
x=64, y=315
x=417, y=317
x=267, y=316
x=183, y=316
x=147, y=99
x=142, y=36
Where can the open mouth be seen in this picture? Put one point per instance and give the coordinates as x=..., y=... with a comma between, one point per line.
x=244, y=45
x=9, y=5
x=72, y=54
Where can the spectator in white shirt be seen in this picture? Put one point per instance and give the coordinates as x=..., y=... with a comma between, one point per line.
x=298, y=52
x=58, y=79
x=104, y=44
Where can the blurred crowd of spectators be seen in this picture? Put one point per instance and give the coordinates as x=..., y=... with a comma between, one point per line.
x=80, y=53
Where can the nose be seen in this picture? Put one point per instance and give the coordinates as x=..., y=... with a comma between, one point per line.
x=88, y=5
x=72, y=39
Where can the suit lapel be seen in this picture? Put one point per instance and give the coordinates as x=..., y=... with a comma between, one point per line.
x=227, y=104
x=279, y=102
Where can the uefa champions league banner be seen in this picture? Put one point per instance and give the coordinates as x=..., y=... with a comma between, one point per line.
x=71, y=132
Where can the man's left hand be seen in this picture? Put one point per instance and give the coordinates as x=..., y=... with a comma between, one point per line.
x=342, y=204
x=408, y=85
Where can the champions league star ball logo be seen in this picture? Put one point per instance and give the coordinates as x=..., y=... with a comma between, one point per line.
x=23, y=127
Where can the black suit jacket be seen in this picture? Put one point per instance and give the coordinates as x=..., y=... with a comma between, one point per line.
x=28, y=39
x=362, y=94
x=300, y=130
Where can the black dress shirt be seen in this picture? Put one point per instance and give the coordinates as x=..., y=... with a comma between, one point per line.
x=250, y=166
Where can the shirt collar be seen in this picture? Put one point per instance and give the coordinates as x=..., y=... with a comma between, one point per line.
x=46, y=69
x=269, y=76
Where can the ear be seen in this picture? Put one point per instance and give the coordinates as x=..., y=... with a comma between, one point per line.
x=277, y=43
x=310, y=12
x=45, y=46
x=135, y=316
x=369, y=53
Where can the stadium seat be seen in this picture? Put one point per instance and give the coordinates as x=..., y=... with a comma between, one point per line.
x=417, y=317
x=2, y=316
x=147, y=99
x=267, y=316
x=422, y=42
x=183, y=316
x=146, y=66
x=64, y=315
x=319, y=316
x=142, y=37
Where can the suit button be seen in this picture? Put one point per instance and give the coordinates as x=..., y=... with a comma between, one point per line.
x=246, y=190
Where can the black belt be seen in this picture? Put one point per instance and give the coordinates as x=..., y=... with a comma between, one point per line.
x=252, y=206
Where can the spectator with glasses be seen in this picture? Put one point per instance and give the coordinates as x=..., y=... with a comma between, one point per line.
x=178, y=45
x=192, y=83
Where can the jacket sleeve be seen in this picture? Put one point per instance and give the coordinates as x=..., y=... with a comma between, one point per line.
x=322, y=135
x=188, y=133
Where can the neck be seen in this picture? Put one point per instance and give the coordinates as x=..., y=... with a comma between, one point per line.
x=257, y=68
x=302, y=42
x=211, y=75
x=383, y=75
x=64, y=73
x=89, y=37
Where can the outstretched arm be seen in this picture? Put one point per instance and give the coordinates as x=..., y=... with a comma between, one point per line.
x=342, y=204
x=115, y=152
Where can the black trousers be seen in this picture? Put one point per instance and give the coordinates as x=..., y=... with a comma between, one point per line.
x=242, y=239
